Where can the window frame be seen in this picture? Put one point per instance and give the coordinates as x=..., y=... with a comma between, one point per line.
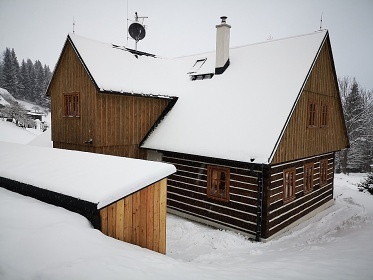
x=71, y=105
x=311, y=114
x=323, y=172
x=226, y=171
x=291, y=197
x=308, y=177
x=324, y=115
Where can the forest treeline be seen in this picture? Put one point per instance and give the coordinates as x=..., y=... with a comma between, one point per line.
x=26, y=81
x=357, y=103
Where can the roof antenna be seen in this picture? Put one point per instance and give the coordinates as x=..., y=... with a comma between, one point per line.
x=127, y=23
x=137, y=30
x=73, y=25
x=321, y=22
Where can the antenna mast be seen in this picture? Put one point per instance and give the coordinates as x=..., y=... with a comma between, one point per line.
x=321, y=21
x=73, y=25
x=136, y=29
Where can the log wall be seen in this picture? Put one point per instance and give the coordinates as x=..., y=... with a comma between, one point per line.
x=139, y=218
x=187, y=193
x=280, y=214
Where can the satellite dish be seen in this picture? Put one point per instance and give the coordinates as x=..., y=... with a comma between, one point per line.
x=137, y=31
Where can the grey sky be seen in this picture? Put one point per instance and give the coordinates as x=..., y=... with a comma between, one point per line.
x=37, y=29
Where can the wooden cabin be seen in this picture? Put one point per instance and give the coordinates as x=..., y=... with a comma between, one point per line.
x=252, y=130
x=126, y=201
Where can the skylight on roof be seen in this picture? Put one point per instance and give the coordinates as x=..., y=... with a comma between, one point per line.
x=197, y=65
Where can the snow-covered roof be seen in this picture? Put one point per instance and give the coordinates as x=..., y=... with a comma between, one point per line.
x=116, y=69
x=238, y=115
x=96, y=178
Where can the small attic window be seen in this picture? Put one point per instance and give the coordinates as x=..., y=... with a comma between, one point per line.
x=201, y=77
x=197, y=65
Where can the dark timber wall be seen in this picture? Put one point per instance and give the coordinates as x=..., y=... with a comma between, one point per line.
x=280, y=214
x=187, y=192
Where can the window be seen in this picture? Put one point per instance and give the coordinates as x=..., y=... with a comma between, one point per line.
x=71, y=105
x=218, y=182
x=197, y=65
x=289, y=184
x=308, y=177
x=323, y=172
x=311, y=122
x=324, y=115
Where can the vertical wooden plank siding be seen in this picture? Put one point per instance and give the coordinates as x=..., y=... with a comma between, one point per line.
x=128, y=220
x=139, y=218
x=103, y=216
x=119, y=228
x=162, y=213
x=150, y=218
x=281, y=214
x=301, y=141
x=111, y=219
x=136, y=208
x=187, y=193
x=116, y=123
x=157, y=218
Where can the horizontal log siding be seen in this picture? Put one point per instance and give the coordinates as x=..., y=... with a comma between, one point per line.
x=139, y=218
x=301, y=141
x=282, y=214
x=116, y=123
x=187, y=192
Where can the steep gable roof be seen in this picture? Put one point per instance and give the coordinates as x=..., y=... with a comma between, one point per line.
x=118, y=69
x=241, y=114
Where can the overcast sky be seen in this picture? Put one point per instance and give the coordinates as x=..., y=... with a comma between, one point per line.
x=37, y=29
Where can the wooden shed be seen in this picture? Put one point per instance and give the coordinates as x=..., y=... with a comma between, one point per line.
x=252, y=130
x=125, y=198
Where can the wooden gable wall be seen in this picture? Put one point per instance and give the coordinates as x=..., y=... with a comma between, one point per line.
x=70, y=76
x=116, y=123
x=300, y=141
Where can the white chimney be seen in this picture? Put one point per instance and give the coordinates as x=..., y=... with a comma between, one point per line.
x=222, y=46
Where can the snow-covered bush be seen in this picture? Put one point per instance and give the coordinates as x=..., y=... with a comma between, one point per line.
x=367, y=185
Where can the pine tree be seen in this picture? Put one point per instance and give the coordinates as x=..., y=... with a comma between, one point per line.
x=1, y=68
x=7, y=79
x=23, y=80
x=31, y=78
x=38, y=81
x=357, y=116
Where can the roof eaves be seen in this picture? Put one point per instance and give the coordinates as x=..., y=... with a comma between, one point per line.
x=160, y=118
x=135, y=94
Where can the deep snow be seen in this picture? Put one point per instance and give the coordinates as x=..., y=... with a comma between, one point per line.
x=41, y=241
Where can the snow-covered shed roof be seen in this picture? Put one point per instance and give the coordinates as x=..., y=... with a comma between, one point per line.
x=97, y=178
x=239, y=115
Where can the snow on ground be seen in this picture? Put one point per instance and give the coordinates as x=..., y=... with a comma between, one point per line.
x=41, y=241
x=9, y=132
